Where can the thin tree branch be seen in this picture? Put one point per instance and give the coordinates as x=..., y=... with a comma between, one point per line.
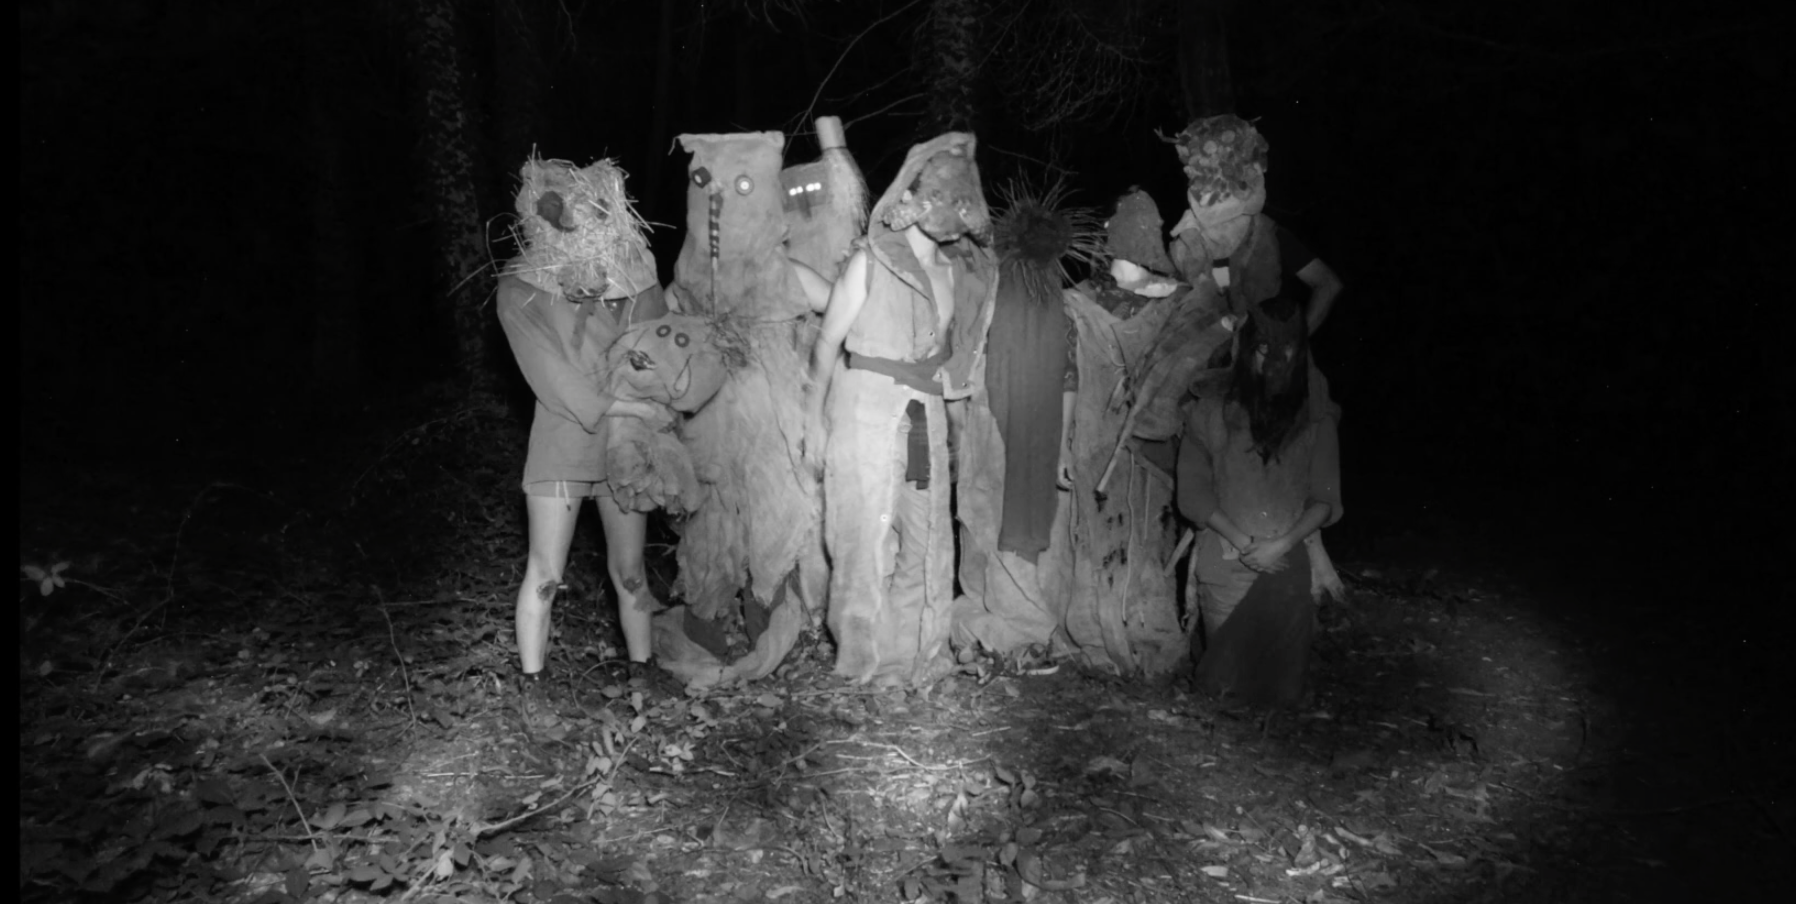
x=806, y=117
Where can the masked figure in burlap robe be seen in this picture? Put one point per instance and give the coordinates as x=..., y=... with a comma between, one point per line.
x=910, y=308
x=756, y=535
x=1259, y=470
x=1142, y=337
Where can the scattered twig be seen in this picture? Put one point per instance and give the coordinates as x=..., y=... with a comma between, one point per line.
x=405, y=673
x=900, y=751
x=484, y=829
x=806, y=118
x=292, y=799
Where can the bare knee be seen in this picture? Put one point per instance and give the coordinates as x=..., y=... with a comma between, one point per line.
x=541, y=585
x=628, y=576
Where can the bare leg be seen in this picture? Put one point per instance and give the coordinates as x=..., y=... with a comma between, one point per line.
x=625, y=533
x=551, y=533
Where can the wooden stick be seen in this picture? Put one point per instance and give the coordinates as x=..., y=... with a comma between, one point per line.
x=1184, y=544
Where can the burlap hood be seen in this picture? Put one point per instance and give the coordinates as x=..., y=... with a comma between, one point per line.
x=1133, y=232
x=974, y=211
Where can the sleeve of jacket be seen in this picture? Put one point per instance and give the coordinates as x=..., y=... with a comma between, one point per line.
x=566, y=381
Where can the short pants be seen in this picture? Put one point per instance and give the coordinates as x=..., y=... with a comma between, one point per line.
x=569, y=489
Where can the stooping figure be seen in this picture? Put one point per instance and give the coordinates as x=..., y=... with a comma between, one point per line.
x=1259, y=471
x=585, y=274
x=910, y=307
x=1225, y=235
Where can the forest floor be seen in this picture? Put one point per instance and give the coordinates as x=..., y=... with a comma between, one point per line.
x=290, y=679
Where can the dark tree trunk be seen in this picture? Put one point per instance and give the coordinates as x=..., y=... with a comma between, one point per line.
x=449, y=147
x=747, y=63
x=335, y=252
x=518, y=77
x=1204, y=57
x=657, y=137
x=952, y=58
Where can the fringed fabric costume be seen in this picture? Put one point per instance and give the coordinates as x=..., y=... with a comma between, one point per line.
x=1123, y=614
x=758, y=527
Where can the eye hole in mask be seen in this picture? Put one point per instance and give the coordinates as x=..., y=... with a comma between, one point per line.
x=662, y=330
x=553, y=210
x=701, y=177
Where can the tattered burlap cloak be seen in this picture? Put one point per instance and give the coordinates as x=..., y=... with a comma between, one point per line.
x=758, y=526
x=1102, y=591
x=1124, y=613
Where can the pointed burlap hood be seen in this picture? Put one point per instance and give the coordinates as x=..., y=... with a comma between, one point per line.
x=891, y=204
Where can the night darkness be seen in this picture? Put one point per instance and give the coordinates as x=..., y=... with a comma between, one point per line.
x=1561, y=227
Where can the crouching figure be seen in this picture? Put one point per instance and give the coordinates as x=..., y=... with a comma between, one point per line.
x=1259, y=471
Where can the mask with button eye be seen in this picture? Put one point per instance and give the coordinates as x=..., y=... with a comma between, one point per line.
x=734, y=257
x=677, y=360
x=578, y=232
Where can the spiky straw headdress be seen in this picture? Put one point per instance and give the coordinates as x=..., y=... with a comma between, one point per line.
x=1036, y=234
x=579, y=233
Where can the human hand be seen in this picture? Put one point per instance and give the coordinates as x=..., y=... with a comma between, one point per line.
x=1266, y=556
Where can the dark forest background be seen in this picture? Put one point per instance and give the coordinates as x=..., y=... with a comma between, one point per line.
x=1560, y=222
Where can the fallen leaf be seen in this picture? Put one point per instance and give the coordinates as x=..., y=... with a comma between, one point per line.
x=1106, y=765
x=330, y=817
x=1215, y=872
x=1377, y=880
x=1446, y=858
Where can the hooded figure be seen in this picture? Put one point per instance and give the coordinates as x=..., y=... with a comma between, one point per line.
x=910, y=309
